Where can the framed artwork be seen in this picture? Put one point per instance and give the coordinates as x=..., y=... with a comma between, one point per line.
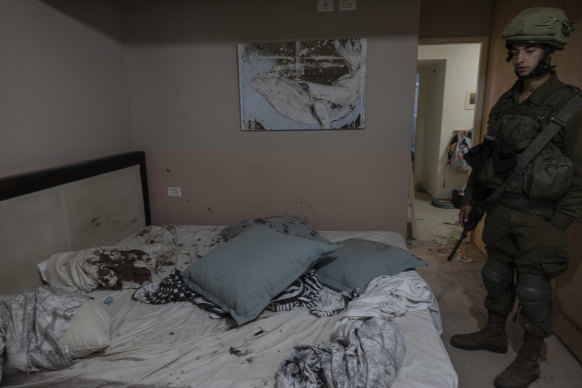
x=303, y=85
x=470, y=99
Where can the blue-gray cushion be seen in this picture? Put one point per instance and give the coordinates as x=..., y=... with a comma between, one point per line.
x=245, y=273
x=358, y=261
x=293, y=225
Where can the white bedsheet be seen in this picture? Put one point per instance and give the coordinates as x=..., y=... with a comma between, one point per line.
x=178, y=345
x=394, y=296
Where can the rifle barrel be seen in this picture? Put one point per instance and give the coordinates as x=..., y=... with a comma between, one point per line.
x=458, y=244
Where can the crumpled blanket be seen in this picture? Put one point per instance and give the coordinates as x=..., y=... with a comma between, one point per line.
x=392, y=296
x=32, y=323
x=192, y=243
x=363, y=353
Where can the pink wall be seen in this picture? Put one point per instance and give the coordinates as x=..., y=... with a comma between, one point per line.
x=331, y=189
x=185, y=103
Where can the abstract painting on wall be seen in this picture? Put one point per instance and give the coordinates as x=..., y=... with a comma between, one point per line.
x=303, y=85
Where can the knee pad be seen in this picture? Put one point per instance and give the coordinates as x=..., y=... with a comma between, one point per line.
x=497, y=278
x=535, y=296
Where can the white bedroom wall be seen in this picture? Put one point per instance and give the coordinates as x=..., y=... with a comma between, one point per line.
x=185, y=99
x=63, y=83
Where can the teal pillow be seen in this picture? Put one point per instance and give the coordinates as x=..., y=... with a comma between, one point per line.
x=293, y=225
x=245, y=273
x=358, y=261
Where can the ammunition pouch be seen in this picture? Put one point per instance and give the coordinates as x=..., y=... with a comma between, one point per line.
x=551, y=174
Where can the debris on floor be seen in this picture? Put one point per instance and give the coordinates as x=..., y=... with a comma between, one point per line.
x=440, y=240
x=467, y=252
x=442, y=203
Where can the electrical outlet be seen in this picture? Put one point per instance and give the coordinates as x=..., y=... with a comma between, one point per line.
x=325, y=5
x=175, y=192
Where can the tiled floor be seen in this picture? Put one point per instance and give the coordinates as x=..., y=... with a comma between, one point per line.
x=459, y=291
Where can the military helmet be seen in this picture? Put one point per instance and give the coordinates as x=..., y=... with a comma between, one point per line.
x=539, y=25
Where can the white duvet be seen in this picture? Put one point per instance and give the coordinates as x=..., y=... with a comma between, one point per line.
x=179, y=345
x=393, y=296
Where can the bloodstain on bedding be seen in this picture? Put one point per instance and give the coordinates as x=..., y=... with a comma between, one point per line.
x=166, y=260
x=118, y=267
x=237, y=352
x=211, y=244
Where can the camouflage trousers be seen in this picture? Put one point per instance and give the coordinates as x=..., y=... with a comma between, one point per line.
x=526, y=242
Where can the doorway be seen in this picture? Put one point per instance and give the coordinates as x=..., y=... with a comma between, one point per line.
x=449, y=94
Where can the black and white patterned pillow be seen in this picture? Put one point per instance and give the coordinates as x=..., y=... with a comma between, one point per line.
x=173, y=289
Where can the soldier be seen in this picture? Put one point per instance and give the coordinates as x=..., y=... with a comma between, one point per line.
x=525, y=231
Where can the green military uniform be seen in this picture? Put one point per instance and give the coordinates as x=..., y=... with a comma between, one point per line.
x=526, y=231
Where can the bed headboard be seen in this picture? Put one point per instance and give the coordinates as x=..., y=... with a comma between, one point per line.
x=80, y=205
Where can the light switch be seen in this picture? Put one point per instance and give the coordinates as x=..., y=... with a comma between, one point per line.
x=347, y=5
x=174, y=192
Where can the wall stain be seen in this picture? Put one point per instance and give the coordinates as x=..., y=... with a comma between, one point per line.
x=307, y=205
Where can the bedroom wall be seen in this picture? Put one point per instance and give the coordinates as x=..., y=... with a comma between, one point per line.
x=185, y=101
x=64, y=98
x=63, y=83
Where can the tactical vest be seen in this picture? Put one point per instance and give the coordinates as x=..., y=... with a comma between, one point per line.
x=548, y=176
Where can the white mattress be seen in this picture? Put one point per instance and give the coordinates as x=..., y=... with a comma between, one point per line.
x=178, y=345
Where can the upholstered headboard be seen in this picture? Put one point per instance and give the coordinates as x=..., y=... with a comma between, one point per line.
x=90, y=203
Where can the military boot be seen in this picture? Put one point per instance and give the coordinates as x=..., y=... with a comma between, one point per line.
x=492, y=337
x=525, y=369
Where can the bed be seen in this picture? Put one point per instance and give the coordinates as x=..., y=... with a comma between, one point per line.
x=205, y=339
